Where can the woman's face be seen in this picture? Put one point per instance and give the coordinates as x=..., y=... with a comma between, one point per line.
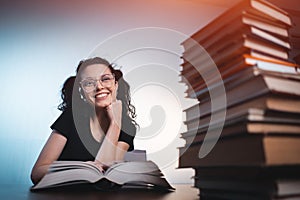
x=99, y=86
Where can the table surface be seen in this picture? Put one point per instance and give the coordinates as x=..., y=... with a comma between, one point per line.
x=16, y=192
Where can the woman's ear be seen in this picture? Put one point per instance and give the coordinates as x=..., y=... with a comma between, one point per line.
x=117, y=87
x=81, y=94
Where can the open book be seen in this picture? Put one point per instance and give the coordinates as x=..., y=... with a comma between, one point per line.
x=130, y=174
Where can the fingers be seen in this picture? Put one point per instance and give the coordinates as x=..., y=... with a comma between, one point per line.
x=99, y=165
x=116, y=104
x=114, y=96
x=114, y=111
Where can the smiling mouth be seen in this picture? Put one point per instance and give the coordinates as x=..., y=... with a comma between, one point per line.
x=101, y=95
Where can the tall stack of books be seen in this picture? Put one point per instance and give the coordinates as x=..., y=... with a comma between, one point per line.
x=257, y=155
x=295, y=31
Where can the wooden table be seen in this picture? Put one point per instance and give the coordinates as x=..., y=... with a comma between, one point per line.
x=16, y=192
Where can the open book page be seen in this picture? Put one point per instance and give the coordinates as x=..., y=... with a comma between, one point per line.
x=134, y=167
x=138, y=179
x=74, y=172
x=136, y=172
x=64, y=165
x=69, y=176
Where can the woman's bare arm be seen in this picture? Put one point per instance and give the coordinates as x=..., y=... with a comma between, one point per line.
x=122, y=148
x=49, y=154
x=111, y=149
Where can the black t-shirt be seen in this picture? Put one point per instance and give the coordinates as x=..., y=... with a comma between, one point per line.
x=80, y=144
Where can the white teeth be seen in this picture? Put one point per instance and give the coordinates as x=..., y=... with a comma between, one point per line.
x=102, y=95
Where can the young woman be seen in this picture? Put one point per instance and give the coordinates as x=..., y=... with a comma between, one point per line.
x=97, y=123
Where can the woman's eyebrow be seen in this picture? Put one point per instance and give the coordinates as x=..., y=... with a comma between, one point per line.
x=94, y=77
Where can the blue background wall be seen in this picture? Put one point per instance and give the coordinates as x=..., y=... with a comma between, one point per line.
x=41, y=44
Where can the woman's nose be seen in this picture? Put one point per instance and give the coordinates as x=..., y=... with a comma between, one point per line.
x=99, y=84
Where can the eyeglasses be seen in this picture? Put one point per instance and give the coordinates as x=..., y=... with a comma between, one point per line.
x=90, y=84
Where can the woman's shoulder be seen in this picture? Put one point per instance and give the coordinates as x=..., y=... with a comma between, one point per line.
x=64, y=124
x=66, y=115
x=128, y=127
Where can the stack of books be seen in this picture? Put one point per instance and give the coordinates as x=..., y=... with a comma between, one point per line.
x=257, y=154
x=295, y=29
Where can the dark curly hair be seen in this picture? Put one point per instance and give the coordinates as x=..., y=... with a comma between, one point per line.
x=70, y=90
x=67, y=93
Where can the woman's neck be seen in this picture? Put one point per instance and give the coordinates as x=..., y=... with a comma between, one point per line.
x=99, y=124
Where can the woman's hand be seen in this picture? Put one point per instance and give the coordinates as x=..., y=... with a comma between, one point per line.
x=114, y=111
x=99, y=165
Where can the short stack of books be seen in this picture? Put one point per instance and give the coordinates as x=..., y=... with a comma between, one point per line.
x=257, y=155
